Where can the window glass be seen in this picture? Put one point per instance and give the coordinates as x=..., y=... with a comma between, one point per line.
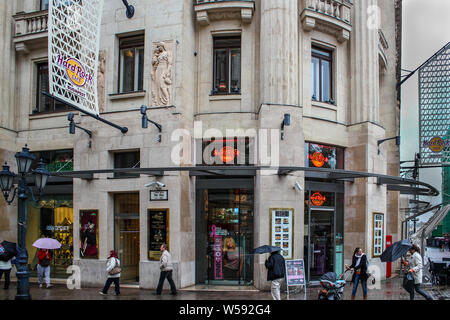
x=315, y=78
x=43, y=102
x=124, y=160
x=326, y=85
x=321, y=68
x=321, y=156
x=44, y=4
x=131, y=64
x=227, y=65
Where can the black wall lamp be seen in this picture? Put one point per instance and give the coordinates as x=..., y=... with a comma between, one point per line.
x=146, y=120
x=397, y=141
x=72, y=127
x=130, y=9
x=286, y=122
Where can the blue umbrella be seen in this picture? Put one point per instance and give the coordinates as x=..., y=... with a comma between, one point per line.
x=266, y=249
x=396, y=250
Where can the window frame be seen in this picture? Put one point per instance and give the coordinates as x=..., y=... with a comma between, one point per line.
x=228, y=65
x=329, y=59
x=119, y=175
x=135, y=42
x=53, y=102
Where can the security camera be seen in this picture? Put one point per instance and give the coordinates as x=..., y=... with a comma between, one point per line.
x=298, y=186
x=156, y=184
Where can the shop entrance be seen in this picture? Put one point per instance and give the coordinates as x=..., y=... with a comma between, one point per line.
x=224, y=232
x=126, y=234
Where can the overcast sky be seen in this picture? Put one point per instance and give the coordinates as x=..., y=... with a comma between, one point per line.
x=426, y=26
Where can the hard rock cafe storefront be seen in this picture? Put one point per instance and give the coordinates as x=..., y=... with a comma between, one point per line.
x=224, y=225
x=324, y=213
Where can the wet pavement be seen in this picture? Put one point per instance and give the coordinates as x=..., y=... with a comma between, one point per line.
x=390, y=289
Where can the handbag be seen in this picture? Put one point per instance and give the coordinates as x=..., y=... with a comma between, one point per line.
x=115, y=270
x=348, y=276
x=408, y=282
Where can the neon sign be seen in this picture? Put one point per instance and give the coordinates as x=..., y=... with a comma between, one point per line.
x=318, y=159
x=317, y=199
x=227, y=154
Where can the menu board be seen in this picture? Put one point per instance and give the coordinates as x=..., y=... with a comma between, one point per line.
x=158, y=231
x=295, y=272
x=282, y=223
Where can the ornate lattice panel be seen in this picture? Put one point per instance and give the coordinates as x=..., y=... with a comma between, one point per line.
x=434, y=108
x=73, y=44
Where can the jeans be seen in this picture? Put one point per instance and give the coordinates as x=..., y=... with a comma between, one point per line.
x=275, y=289
x=363, y=284
x=108, y=283
x=162, y=277
x=7, y=278
x=420, y=291
x=43, y=274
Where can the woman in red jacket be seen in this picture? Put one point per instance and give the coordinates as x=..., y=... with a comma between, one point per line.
x=43, y=267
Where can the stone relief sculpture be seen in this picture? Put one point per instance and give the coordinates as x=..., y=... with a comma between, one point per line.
x=101, y=80
x=162, y=74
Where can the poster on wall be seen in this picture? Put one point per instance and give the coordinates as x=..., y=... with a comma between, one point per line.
x=281, y=230
x=89, y=233
x=158, y=232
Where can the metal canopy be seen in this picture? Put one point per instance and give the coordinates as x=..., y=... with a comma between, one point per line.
x=405, y=186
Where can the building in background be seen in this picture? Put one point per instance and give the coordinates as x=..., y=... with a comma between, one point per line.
x=216, y=66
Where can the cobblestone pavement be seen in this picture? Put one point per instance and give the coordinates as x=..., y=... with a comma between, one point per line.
x=389, y=290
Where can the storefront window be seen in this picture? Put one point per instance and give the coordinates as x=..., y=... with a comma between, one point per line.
x=321, y=156
x=227, y=229
x=51, y=217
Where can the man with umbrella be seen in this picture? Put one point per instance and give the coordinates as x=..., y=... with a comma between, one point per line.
x=7, y=253
x=275, y=268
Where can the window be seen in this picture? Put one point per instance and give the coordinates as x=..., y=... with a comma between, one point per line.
x=227, y=65
x=43, y=102
x=44, y=5
x=321, y=156
x=131, y=64
x=378, y=234
x=321, y=72
x=123, y=160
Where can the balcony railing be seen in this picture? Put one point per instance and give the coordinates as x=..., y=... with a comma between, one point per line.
x=209, y=10
x=334, y=15
x=29, y=27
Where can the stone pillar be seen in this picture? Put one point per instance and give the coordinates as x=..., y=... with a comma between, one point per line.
x=279, y=77
x=364, y=63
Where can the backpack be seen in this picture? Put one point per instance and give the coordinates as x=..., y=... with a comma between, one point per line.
x=45, y=262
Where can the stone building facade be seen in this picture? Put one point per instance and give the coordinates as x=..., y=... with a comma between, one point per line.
x=332, y=65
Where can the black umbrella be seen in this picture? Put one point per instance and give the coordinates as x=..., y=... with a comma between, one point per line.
x=266, y=249
x=8, y=250
x=396, y=250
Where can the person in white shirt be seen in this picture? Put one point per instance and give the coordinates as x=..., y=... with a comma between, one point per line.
x=415, y=268
x=165, y=264
x=112, y=263
x=5, y=268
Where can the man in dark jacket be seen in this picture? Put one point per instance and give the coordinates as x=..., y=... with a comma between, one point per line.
x=275, y=272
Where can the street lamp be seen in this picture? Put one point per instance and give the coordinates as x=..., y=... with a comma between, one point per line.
x=24, y=160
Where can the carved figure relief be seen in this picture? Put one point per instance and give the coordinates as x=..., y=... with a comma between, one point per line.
x=162, y=78
x=101, y=80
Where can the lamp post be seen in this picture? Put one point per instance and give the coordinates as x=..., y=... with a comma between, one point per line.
x=24, y=160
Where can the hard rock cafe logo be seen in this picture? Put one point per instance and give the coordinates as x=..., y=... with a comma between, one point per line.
x=227, y=154
x=436, y=144
x=317, y=199
x=318, y=159
x=75, y=71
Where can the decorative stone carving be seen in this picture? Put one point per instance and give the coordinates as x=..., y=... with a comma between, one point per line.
x=162, y=75
x=101, y=80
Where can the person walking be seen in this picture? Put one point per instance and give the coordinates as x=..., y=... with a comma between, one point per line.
x=43, y=267
x=276, y=269
x=5, y=268
x=415, y=268
x=113, y=270
x=359, y=268
x=165, y=264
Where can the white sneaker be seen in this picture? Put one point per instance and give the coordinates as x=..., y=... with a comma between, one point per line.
x=40, y=285
x=102, y=293
x=49, y=286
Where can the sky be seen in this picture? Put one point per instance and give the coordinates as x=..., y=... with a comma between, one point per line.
x=426, y=26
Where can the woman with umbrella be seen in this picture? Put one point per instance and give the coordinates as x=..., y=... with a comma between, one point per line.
x=45, y=258
x=415, y=268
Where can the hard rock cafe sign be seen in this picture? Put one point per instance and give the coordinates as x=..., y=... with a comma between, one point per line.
x=317, y=199
x=227, y=154
x=318, y=159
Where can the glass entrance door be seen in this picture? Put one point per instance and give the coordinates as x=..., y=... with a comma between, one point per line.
x=321, y=254
x=224, y=236
x=126, y=234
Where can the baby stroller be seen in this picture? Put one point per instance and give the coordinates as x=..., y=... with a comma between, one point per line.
x=332, y=286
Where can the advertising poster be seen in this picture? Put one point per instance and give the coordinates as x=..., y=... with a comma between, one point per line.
x=158, y=230
x=89, y=233
x=282, y=224
x=295, y=272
